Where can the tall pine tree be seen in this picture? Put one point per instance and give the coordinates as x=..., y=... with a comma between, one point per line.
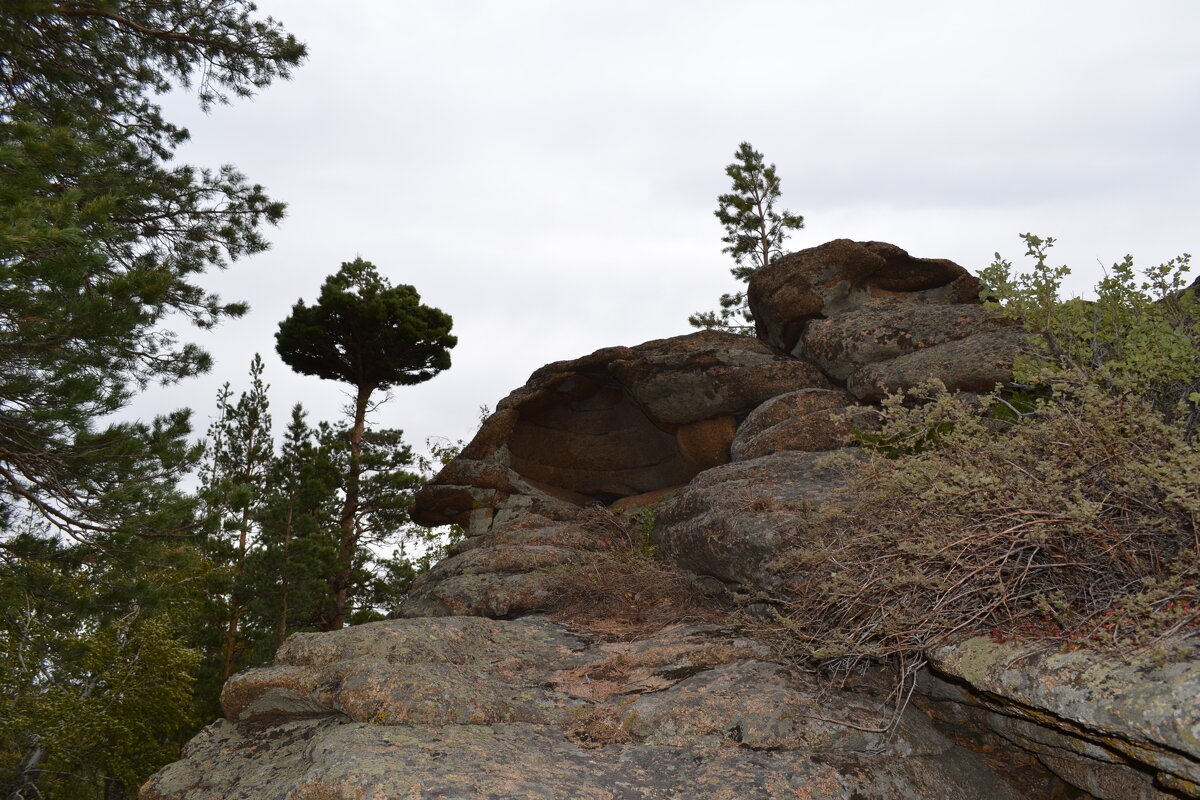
x=102, y=238
x=235, y=473
x=365, y=332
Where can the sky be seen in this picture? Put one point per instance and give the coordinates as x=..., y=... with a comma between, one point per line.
x=546, y=172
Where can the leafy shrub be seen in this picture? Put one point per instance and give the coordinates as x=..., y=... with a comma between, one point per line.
x=1138, y=335
x=1066, y=509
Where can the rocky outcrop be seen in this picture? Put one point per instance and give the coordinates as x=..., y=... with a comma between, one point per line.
x=840, y=276
x=468, y=707
x=838, y=324
x=734, y=448
x=621, y=422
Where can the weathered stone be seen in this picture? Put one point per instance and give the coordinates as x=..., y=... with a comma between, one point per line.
x=705, y=444
x=621, y=422
x=506, y=572
x=978, y=363
x=730, y=520
x=809, y=420
x=338, y=760
x=837, y=276
x=1104, y=724
x=471, y=708
x=709, y=374
x=883, y=331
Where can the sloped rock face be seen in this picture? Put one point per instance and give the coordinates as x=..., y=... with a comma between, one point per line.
x=1110, y=728
x=737, y=445
x=466, y=707
x=1088, y=717
x=506, y=572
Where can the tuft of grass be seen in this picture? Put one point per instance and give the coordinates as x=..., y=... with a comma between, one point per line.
x=628, y=588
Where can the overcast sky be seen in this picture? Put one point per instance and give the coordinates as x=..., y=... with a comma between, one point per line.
x=546, y=171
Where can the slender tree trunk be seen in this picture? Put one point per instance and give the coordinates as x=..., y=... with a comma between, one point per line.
x=27, y=774
x=235, y=601
x=349, y=538
x=285, y=577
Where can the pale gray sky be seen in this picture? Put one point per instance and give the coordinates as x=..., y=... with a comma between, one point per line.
x=546, y=172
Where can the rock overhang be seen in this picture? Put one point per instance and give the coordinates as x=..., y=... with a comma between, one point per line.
x=852, y=320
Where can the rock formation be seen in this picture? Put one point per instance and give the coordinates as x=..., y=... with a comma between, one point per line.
x=472, y=691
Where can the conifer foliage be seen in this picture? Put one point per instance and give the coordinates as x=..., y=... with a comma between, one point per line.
x=102, y=237
x=365, y=332
x=754, y=233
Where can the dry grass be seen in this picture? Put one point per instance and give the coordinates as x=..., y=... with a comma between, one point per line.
x=598, y=726
x=1077, y=525
x=627, y=591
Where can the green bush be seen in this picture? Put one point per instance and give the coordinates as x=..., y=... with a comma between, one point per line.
x=1139, y=335
x=1065, y=509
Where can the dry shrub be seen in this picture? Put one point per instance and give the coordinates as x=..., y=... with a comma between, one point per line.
x=1075, y=521
x=627, y=589
x=597, y=726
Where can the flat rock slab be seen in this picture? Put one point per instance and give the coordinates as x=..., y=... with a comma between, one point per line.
x=1140, y=714
x=338, y=760
x=465, y=707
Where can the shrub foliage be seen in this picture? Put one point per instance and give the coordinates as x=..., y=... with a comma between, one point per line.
x=1066, y=510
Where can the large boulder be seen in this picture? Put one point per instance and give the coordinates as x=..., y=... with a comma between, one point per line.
x=878, y=320
x=841, y=275
x=730, y=521
x=621, y=422
x=809, y=420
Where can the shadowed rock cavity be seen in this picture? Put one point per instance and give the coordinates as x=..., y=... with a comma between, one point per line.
x=588, y=437
x=619, y=423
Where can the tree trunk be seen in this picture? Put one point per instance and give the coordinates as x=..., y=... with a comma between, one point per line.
x=286, y=573
x=235, y=602
x=27, y=774
x=348, y=544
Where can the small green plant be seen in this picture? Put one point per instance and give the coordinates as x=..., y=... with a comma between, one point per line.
x=644, y=521
x=1140, y=334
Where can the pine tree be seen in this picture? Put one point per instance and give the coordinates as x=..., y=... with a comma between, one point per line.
x=235, y=480
x=101, y=237
x=754, y=234
x=298, y=558
x=365, y=332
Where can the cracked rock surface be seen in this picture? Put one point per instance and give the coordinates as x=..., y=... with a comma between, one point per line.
x=469, y=707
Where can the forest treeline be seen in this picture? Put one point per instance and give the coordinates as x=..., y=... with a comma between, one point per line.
x=140, y=567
